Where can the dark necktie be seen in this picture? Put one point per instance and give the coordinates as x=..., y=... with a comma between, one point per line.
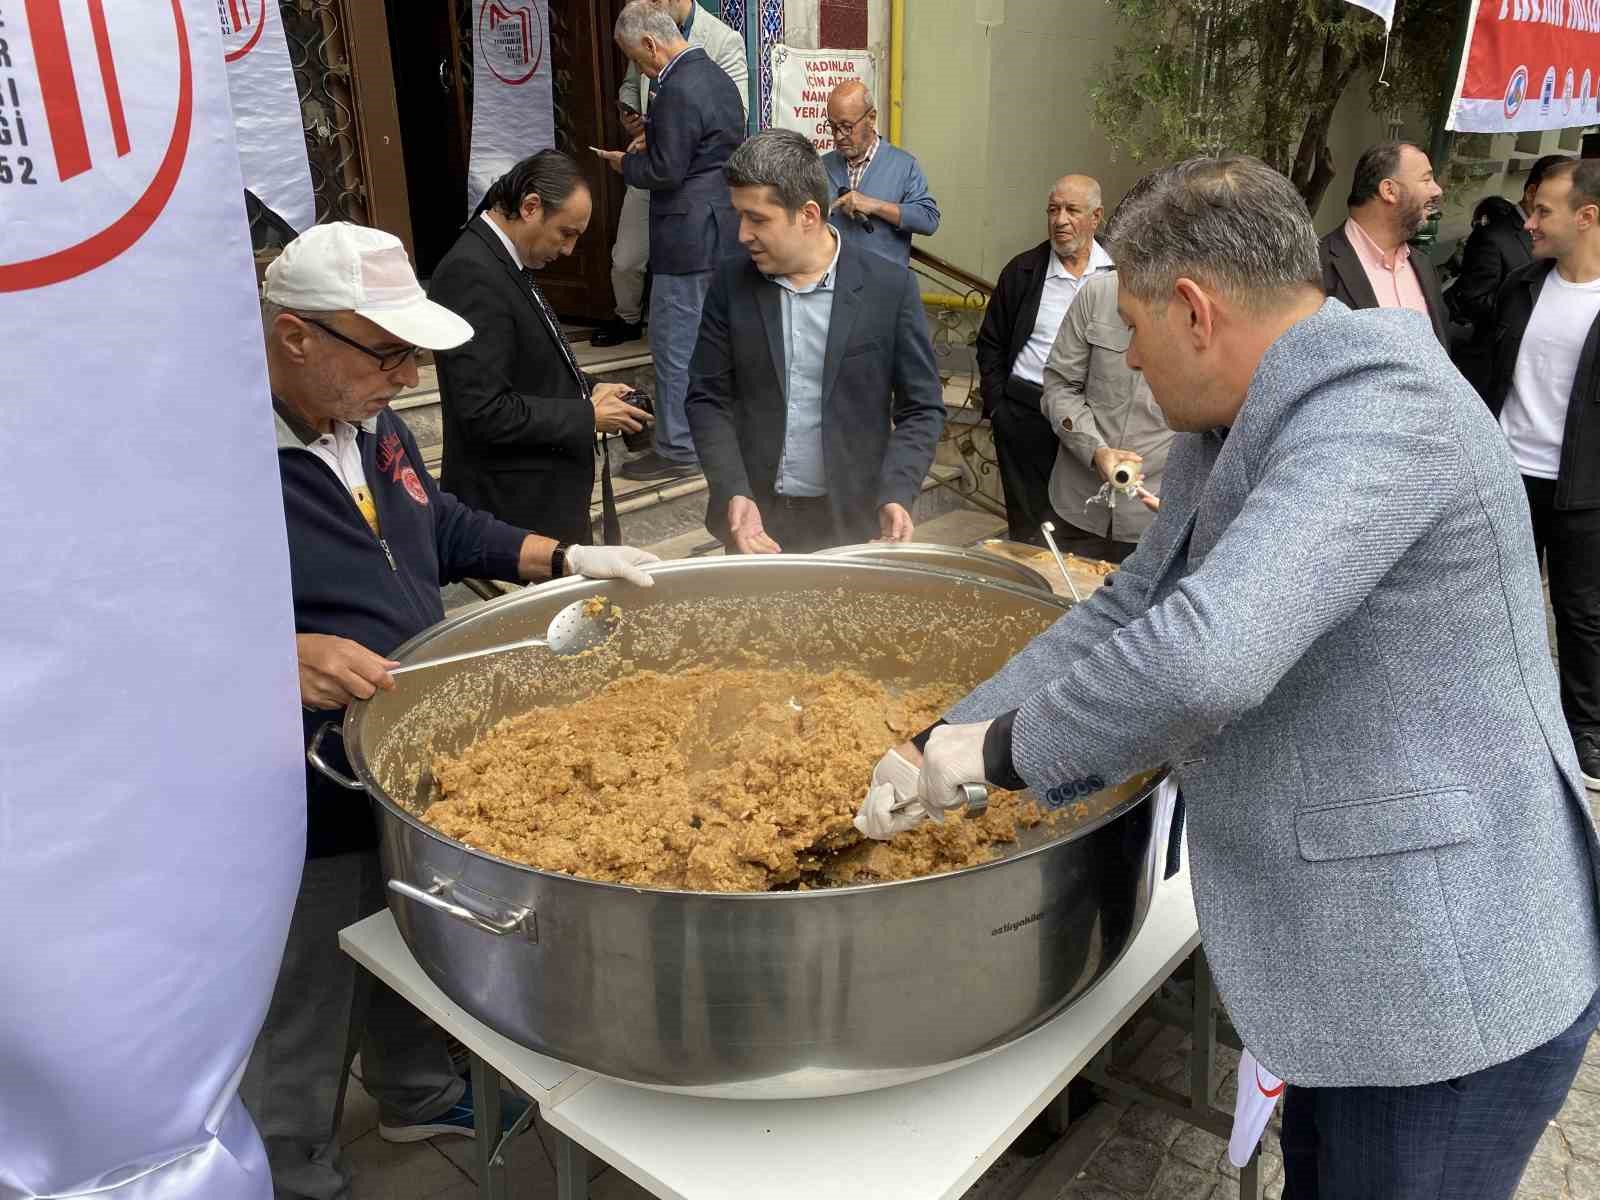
x=610, y=525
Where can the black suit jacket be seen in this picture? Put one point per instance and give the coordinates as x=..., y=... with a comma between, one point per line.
x=1345, y=279
x=518, y=434
x=1009, y=321
x=878, y=369
x=695, y=122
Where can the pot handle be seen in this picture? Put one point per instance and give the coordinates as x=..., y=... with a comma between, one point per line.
x=314, y=757
x=516, y=920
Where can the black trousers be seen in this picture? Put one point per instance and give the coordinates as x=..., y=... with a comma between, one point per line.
x=1462, y=1139
x=1568, y=543
x=1025, y=449
x=799, y=524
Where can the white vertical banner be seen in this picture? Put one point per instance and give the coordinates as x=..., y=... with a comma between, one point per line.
x=513, y=108
x=1383, y=8
x=152, y=796
x=266, y=109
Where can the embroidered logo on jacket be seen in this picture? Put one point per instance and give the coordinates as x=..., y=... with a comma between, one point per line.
x=393, y=462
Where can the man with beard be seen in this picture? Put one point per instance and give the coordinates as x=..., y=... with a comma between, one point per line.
x=1366, y=262
x=1031, y=297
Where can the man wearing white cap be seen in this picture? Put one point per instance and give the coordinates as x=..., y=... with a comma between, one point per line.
x=371, y=540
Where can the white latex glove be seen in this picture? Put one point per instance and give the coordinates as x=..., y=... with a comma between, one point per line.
x=611, y=562
x=953, y=756
x=894, y=780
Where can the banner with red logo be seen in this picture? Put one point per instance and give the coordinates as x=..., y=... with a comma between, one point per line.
x=1257, y=1096
x=513, y=113
x=1528, y=64
x=152, y=794
x=266, y=109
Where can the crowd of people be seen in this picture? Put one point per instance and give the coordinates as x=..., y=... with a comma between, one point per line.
x=1341, y=545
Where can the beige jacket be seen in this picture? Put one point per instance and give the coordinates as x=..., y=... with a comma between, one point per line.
x=722, y=46
x=1092, y=399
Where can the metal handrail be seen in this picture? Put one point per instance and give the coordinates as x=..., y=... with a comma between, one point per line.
x=976, y=283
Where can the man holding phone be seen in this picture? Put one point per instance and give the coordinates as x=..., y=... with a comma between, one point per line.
x=631, y=251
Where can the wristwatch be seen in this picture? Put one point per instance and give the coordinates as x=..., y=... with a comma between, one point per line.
x=558, y=560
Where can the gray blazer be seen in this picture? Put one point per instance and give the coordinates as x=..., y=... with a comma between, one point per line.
x=1093, y=399
x=1335, y=632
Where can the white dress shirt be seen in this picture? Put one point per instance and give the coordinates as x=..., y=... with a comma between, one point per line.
x=1060, y=289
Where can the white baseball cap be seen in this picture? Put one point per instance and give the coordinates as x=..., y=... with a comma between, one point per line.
x=340, y=266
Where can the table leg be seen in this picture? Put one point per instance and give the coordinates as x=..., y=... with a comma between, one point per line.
x=486, y=1102
x=1250, y=1178
x=1203, y=1032
x=572, y=1168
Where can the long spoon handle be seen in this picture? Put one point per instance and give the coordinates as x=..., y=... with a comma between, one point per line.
x=454, y=658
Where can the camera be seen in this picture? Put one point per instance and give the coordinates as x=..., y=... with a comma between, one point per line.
x=644, y=438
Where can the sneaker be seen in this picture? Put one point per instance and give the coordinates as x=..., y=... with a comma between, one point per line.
x=1588, y=745
x=650, y=465
x=457, y=1121
x=616, y=332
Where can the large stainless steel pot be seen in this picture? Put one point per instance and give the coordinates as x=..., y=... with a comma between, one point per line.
x=763, y=995
x=949, y=558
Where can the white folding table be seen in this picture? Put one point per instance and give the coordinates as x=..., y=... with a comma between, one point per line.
x=931, y=1138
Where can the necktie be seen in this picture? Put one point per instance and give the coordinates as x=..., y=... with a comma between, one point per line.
x=610, y=524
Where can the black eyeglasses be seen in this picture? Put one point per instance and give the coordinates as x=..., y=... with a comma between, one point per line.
x=386, y=362
x=846, y=128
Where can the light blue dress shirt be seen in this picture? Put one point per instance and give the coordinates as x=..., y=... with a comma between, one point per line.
x=807, y=313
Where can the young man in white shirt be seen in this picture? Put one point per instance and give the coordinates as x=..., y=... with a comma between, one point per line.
x=1546, y=392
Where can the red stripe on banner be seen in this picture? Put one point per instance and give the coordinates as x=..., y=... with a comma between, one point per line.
x=58, y=87
x=133, y=224
x=108, y=76
x=233, y=11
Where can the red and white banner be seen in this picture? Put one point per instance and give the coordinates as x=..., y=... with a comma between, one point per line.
x=513, y=113
x=1259, y=1090
x=152, y=790
x=801, y=81
x=1528, y=64
x=266, y=109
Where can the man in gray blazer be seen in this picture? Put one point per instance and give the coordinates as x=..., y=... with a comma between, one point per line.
x=1334, y=632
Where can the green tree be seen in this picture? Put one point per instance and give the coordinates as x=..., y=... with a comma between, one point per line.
x=1264, y=77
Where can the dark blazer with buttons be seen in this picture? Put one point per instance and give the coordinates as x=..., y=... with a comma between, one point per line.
x=882, y=402
x=696, y=121
x=1345, y=279
x=518, y=433
x=1009, y=319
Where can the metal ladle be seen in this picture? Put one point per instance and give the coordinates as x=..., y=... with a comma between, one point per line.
x=1047, y=529
x=572, y=631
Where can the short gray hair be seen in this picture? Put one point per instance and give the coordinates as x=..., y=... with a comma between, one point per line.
x=786, y=162
x=853, y=84
x=1232, y=223
x=641, y=18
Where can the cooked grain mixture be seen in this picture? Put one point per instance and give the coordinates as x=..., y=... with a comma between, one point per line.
x=709, y=779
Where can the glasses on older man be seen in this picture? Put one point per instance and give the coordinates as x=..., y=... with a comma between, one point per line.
x=388, y=360
x=846, y=128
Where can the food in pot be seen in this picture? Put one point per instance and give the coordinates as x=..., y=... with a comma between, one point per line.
x=710, y=779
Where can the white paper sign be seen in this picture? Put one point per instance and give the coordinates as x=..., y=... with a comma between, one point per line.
x=266, y=109
x=801, y=81
x=513, y=113
x=152, y=795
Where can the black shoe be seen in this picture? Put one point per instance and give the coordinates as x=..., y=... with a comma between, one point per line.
x=651, y=465
x=615, y=333
x=1588, y=745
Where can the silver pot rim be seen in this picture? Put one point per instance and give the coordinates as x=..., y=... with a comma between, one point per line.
x=578, y=586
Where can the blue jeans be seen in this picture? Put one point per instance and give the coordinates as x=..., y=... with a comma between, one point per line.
x=675, y=304
x=1462, y=1139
